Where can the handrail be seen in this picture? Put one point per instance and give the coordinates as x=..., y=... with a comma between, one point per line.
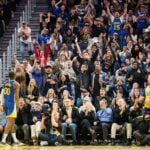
x=6, y=61
x=1, y=72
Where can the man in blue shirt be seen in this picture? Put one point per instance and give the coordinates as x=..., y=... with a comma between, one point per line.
x=104, y=118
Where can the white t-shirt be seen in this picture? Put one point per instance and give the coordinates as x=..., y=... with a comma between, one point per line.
x=29, y=38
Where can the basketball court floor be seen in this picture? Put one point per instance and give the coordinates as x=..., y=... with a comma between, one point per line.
x=74, y=148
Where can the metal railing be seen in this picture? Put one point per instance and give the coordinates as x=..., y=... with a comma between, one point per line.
x=6, y=60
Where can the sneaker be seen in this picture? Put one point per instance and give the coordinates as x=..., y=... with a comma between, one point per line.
x=4, y=144
x=92, y=131
x=113, y=142
x=18, y=144
x=56, y=143
x=43, y=143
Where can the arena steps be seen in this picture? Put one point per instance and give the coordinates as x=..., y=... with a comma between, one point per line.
x=10, y=29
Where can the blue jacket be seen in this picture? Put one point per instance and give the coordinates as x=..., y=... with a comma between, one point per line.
x=105, y=115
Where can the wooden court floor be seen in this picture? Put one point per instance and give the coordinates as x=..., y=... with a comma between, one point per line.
x=74, y=148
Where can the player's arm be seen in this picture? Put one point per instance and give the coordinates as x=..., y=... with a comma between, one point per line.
x=2, y=97
x=17, y=90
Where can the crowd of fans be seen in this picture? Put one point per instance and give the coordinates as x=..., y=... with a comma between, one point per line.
x=88, y=73
x=7, y=9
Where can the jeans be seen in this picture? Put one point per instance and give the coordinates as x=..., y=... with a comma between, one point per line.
x=50, y=138
x=26, y=130
x=72, y=127
x=142, y=138
x=23, y=47
x=105, y=130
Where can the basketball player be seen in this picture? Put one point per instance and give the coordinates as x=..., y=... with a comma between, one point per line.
x=9, y=99
x=147, y=95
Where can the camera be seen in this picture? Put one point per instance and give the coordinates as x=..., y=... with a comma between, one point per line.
x=121, y=72
x=46, y=110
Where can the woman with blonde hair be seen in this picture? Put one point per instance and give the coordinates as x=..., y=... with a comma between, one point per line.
x=32, y=90
x=51, y=96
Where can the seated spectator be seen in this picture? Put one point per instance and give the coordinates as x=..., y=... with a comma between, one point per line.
x=80, y=100
x=2, y=120
x=51, y=96
x=121, y=122
x=36, y=117
x=46, y=137
x=23, y=120
x=104, y=117
x=56, y=118
x=137, y=98
x=87, y=116
x=142, y=134
x=32, y=90
x=70, y=118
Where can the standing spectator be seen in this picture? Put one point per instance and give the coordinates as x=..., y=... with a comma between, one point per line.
x=135, y=74
x=69, y=71
x=49, y=79
x=116, y=20
x=141, y=19
x=22, y=79
x=83, y=80
x=64, y=84
x=36, y=73
x=24, y=33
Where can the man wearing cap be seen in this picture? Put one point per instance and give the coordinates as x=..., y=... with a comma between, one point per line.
x=36, y=117
x=49, y=79
x=24, y=33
